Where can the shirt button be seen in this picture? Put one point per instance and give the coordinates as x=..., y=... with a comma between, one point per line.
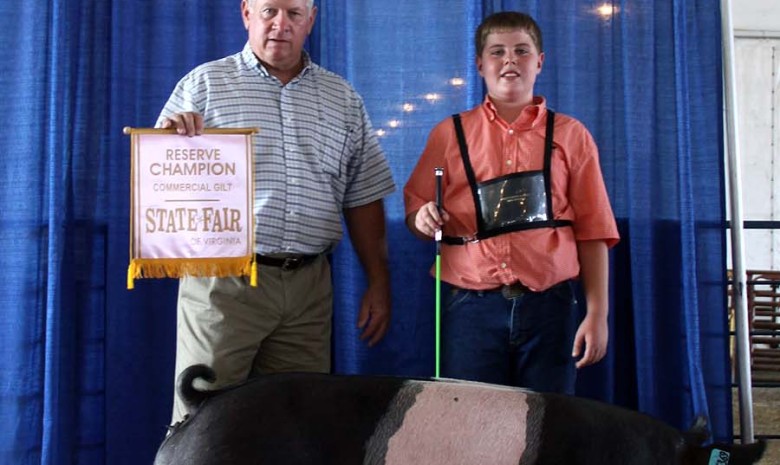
x=503, y=265
x=509, y=162
x=511, y=131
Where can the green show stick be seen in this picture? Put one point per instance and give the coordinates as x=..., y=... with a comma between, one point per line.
x=439, y=172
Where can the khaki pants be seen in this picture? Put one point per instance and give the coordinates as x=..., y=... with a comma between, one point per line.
x=283, y=324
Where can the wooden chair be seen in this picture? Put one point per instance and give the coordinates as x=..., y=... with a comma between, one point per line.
x=763, y=301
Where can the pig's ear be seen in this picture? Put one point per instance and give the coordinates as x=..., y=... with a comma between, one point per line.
x=699, y=431
x=748, y=453
x=736, y=454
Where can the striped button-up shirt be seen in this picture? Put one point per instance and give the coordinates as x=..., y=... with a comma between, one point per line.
x=316, y=153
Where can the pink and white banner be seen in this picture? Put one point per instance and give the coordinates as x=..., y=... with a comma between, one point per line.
x=192, y=209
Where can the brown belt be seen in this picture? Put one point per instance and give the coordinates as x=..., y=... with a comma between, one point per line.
x=293, y=262
x=510, y=291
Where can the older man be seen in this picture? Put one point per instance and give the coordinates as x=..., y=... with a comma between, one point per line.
x=316, y=157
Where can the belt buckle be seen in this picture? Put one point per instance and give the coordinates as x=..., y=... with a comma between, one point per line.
x=512, y=291
x=291, y=263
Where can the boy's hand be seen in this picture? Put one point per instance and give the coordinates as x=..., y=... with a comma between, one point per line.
x=428, y=220
x=593, y=333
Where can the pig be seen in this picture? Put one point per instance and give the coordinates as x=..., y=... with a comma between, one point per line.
x=319, y=419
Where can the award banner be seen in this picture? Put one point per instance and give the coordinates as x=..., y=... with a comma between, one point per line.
x=191, y=204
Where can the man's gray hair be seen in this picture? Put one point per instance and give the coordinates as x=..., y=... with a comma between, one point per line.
x=309, y=4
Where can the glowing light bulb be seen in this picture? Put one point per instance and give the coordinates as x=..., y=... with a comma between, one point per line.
x=606, y=10
x=432, y=97
x=457, y=82
x=393, y=123
x=408, y=107
x=380, y=132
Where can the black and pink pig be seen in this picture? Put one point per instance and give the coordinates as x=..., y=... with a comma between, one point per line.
x=315, y=419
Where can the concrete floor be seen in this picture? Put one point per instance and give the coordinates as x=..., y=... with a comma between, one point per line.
x=766, y=419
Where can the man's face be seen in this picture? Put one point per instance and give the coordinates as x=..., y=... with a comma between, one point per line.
x=277, y=30
x=509, y=63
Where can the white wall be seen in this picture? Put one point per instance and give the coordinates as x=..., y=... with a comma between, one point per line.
x=758, y=99
x=757, y=61
x=756, y=15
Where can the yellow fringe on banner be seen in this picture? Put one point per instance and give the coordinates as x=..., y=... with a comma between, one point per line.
x=130, y=276
x=253, y=277
x=199, y=267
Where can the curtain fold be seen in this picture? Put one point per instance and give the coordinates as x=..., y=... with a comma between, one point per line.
x=87, y=375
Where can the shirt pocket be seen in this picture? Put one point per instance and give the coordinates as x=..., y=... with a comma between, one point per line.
x=337, y=144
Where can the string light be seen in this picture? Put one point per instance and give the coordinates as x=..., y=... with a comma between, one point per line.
x=607, y=10
x=409, y=106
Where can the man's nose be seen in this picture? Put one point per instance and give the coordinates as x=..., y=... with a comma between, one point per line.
x=281, y=21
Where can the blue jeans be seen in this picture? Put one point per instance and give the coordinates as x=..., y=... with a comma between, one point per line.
x=524, y=341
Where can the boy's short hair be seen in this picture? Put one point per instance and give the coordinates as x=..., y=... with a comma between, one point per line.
x=507, y=21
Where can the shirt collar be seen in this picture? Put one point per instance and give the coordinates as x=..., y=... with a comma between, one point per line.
x=253, y=63
x=530, y=117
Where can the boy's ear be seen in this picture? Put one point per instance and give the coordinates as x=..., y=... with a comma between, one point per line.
x=479, y=64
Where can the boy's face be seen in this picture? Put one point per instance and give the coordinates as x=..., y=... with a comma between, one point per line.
x=509, y=63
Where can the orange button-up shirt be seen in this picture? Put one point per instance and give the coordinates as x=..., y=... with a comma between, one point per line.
x=538, y=258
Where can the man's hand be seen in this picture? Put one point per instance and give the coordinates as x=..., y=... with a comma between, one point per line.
x=374, y=316
x=366, y=226
x=189, y=123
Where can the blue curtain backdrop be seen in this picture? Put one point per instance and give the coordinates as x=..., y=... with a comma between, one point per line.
x=86, y=372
